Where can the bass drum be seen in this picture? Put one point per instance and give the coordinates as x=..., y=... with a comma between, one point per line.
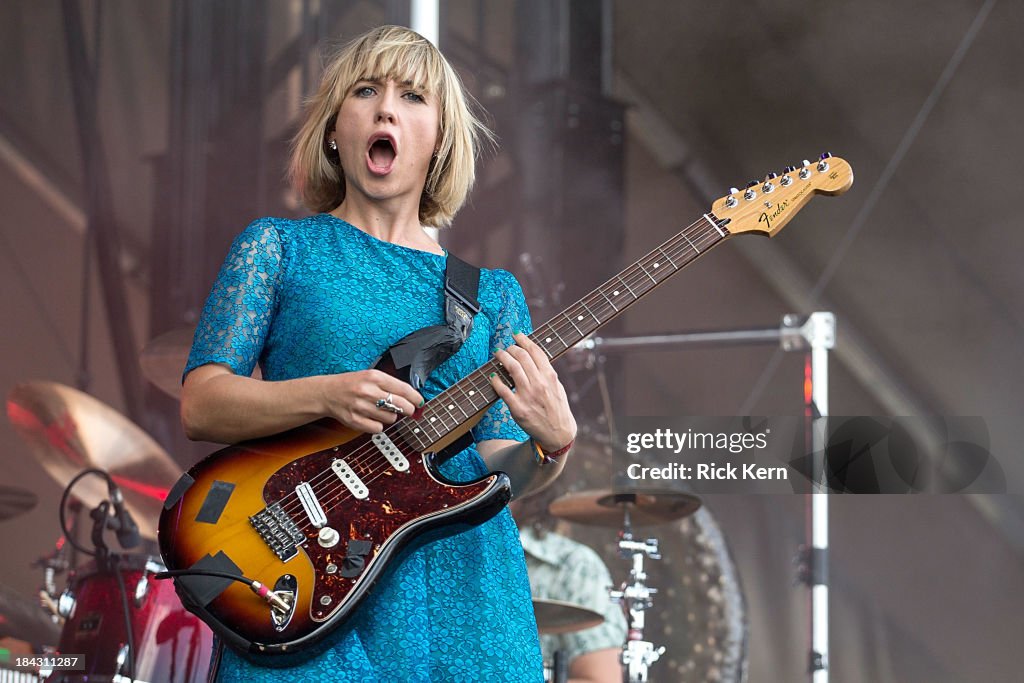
x=172, y=645
x=699, y=611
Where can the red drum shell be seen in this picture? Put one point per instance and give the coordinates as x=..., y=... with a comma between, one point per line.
x=173, y=645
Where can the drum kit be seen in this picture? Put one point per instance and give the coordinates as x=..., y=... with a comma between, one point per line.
x=608, y=508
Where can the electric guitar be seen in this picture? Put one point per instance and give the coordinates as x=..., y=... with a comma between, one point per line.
x=274, y=542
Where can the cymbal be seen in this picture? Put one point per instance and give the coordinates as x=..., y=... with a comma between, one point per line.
x=14, y=501
x=25, y=620
x=556, y=616
x=604, y=507
x=164, y=357
x=69, y=431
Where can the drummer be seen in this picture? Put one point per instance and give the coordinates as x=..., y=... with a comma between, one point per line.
x=566, y=570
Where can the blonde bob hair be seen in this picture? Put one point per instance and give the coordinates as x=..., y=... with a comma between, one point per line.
x=400, y=54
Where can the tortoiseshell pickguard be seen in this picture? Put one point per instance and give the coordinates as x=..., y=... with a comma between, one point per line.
x=399, y=505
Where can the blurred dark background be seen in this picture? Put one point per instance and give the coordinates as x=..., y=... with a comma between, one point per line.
x=136, y=139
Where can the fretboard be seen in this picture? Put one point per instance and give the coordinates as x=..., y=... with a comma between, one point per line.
x=467, y=397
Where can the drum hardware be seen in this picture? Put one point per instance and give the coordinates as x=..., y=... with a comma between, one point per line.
x=636, y=597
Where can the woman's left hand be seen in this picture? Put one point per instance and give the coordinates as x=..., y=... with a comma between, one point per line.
x=539, y=403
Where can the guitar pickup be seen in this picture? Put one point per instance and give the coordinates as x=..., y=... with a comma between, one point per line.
x=390, y=451
x=350, y=479
x=311, y=505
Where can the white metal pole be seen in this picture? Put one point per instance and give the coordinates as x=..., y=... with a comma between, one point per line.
x=424, y=19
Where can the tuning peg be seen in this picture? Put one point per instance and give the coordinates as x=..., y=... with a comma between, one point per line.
x=753, y=183
x=806, y=163
x=771, y=176
x=789, y=169
x=805, y=172
x=733, y=190
x=731, y=201
x=826, y=155
x=823, y=164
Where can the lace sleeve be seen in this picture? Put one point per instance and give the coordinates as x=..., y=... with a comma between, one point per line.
x=497, y=423
x=237, y=314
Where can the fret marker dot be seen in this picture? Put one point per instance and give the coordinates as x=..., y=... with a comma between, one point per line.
x=656, y=264
x=433, y=419
x=615, y=293
x=580, y=317
x=472, y=392
x=548, y=340
x=416, y=431
x=451, y=406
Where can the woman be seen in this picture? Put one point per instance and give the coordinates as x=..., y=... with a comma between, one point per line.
x=387, y=146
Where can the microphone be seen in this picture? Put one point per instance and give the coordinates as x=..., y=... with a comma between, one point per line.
x=128, y=530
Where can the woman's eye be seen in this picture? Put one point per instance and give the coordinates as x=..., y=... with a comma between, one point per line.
x=364, y=91
x=415, y=97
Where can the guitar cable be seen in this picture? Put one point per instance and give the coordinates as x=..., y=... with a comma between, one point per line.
x=272, y=598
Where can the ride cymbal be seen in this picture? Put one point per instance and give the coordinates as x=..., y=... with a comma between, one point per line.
x=605, y=507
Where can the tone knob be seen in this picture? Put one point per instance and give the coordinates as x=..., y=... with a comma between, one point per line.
x=328, y=537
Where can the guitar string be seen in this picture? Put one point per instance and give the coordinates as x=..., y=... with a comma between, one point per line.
x=681, y=245
x=356, y=459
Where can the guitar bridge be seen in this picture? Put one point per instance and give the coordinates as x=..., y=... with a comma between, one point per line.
x=278, y=531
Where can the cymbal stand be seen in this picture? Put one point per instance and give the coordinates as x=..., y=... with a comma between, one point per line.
x=637, y=653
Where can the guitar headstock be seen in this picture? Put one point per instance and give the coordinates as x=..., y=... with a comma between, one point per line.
x=765, y=206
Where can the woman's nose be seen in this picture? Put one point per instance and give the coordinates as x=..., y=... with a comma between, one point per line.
x=386, y=105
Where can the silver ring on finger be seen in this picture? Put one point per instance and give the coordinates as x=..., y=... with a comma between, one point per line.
x=386, y=404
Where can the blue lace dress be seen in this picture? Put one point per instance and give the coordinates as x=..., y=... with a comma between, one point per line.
x=318, y=296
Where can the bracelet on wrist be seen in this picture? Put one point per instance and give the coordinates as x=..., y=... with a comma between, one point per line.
x=543, y=458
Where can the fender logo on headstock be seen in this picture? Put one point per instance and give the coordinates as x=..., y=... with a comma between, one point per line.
x=767, y=218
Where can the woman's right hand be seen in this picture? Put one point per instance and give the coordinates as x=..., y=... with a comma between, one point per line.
x=351, y=399
x=217, y=405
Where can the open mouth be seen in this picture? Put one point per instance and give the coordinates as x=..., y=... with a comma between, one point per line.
x=381, y=155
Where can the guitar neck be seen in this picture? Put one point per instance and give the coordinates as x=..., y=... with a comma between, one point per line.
x=464, y=400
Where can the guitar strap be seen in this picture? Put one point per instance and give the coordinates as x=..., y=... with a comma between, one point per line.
x=421, y=352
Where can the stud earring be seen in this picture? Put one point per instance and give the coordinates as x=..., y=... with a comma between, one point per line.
x=333, y=145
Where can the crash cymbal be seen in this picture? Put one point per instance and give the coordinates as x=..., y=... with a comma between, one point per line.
x=69, y=431
x=555, y=617
x=14, y=501
x=604, y=507
x=163, y=359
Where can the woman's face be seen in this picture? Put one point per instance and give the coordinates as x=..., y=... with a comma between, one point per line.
x=386, y=134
